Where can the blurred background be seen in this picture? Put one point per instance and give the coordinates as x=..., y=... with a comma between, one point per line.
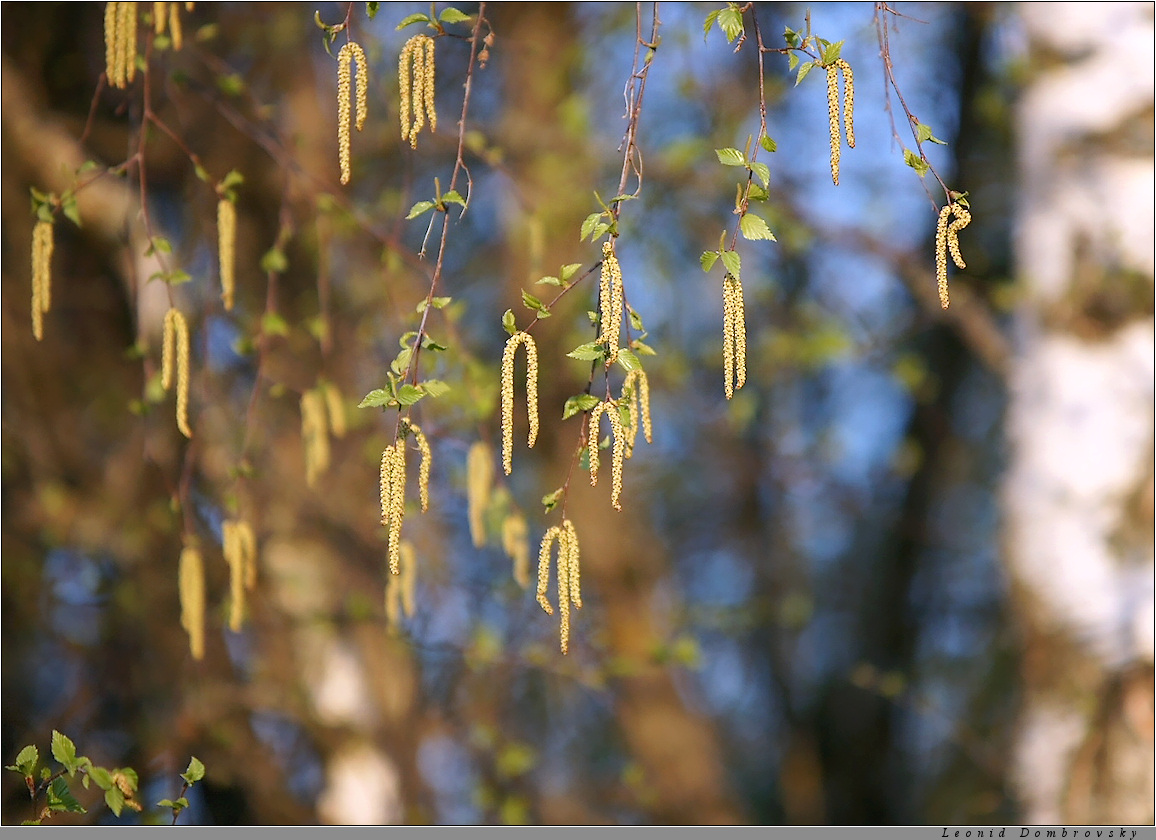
x=903, y=577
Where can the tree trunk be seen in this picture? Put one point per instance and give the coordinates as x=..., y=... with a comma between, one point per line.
x=1079, y=491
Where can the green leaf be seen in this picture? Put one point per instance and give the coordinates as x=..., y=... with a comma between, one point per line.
x=923, y=134
x=158, y=243
x=436, y=303
x=70, y=210
x=599, y=229
x=588, y=225
x=577, y=404
x=25, y=761
x=508, y=323
x=768, y=144
x=763, y=171
x=64, y=751
x=408, y=394
x=371, y=10
x=274, y=261
x=587, y=352
x=568, y=271
x=792, y=37
x=754, y=227
x=708, y=23
x=419, y=208
x=757, y=193
x=550, y=500
x=531, y=302
x=628, y=361
x=176, y=277
x=411, y=19
x=730, y=21
x=195, y=771
x=178, y=805
x=452, y=15
x=60, y=798
x=803, y=71
x=274, y=324
x=101, y=777
x=375, y=398
x=642, y=349
x=232, y=179
x=635, y=319
x=453, y=197
x=732, y=262
x=916, y=162
x=730, y=157
x=435, y=387
x=114, y=799
x=707, y=260
x=831, y=52
x=548, y=281
x=792, y=61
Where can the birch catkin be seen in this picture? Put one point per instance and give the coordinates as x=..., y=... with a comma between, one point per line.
x=947, y=239
x=516, y=544
x=610, y=298
x=610, y=409
x=42, y=246
x=314, y=435
x=734, y=336
x=833, y=70
x=479, y=480
x=567, y=574
x=396, y=503
x=639, y=389
x=175, y=337
x=424, y=469
x=191, y=589
x=848, y=101
x=508, y=395
x=349, y=53
x=240, y=550
x=226, y=248
x=415, y=81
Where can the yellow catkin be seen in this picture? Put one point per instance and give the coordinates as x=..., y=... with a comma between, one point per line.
x=415, y=79
x=397, y=505
x=558, y=534
x=424, y=469
x=336, y=409
x=240, y=549
x=639, y=388
x=226, y=248
x=848, y=101
x=941, y=255
x=947, y=240
x=833, y=118
x=734, y=336
x=42, y=246
x=387, y=485
x=610, y=409
x=610, y=295
x=572, y=557
x=314, y=435
x=191, y=589
x=112, y=43
x=508, y=395
x=351, y=52
x=126, y=29
x=516, y=544
x=479, y=480
x=175, y=26
x=160, y=17
x=962, y=219
x=176, y=337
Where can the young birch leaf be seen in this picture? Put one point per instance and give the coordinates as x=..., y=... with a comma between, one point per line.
x=419, y=208
x=792, y=61
x=763, y=171
x=195, y=771
x=453, y=197
x=508, y=323
x=25, y=761
x=375, y=398
x=803, y=71
x=753, y=227
x=452, y=15
x=732, y=262
x=435, y=387
x=915, y=162
x=577, y=404
x=408, y=394
x=628, y=361
x=831, y=52
x=708, y=23
x=548, y=281
x=588, y=225
x=568, y=271
x=768, y=144
x=586, y=352
x=64, y=751
x=730, y=21
x=730, y=157
x=411, y=19
x=707, y=260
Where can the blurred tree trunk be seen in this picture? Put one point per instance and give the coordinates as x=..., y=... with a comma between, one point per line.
x=1079, y=492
